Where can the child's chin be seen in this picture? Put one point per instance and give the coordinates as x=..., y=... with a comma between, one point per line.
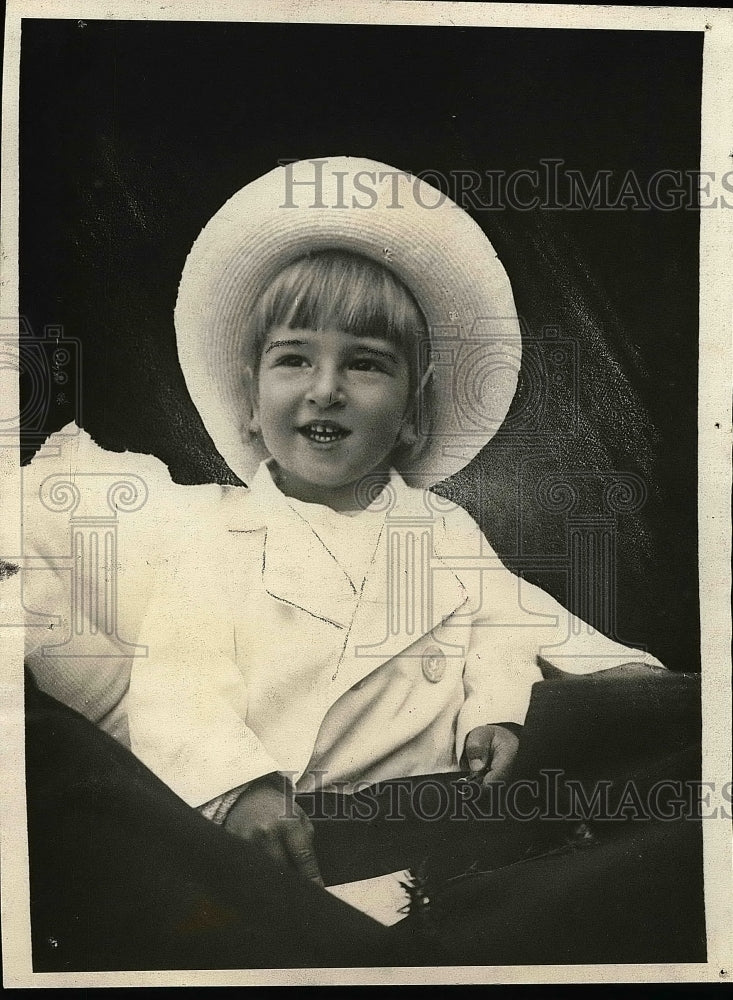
x=332, y=484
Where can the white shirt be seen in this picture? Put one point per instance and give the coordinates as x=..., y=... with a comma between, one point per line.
x=351, y=537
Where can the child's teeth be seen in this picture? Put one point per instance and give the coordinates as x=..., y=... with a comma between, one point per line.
x=323, y=435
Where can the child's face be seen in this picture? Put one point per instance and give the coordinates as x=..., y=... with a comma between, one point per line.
x=329, y=405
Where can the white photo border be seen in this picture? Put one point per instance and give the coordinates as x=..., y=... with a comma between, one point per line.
x=714, y=484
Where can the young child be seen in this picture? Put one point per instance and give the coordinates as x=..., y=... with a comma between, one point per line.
x=336, y=623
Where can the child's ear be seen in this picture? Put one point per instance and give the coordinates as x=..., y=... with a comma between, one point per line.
x=251, y=383
x=407, y=435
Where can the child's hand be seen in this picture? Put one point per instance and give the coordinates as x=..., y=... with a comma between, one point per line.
x=490, y=752
x=269, y=818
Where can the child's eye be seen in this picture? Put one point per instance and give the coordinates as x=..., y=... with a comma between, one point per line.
x=291, y=361
x=368, y=365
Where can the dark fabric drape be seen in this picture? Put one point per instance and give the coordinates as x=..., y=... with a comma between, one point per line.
x=124, y=875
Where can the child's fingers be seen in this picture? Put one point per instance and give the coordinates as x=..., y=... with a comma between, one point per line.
x=477, y=750
x=298, y=839
x=504, y=751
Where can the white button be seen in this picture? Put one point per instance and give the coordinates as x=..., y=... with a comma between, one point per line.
x=433, y=664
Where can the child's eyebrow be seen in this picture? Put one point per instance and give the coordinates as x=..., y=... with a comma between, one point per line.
x=379, y=353
x=284, y=343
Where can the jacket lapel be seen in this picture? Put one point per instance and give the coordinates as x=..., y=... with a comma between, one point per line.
x=314, y=582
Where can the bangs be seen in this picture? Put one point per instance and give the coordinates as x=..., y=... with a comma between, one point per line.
x=338, y=290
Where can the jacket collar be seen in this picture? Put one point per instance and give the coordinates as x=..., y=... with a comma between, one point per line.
x=375, y=621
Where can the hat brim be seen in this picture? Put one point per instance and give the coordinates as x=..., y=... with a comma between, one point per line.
x=398, y=220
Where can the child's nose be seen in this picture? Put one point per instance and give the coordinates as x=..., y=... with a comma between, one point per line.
x=326, y=388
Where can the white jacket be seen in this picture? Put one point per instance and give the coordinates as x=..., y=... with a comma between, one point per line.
x=261, y=656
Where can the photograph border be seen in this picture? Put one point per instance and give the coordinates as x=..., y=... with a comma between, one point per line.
x=714, y=480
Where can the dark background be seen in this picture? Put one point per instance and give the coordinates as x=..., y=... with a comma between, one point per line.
x=134, y=133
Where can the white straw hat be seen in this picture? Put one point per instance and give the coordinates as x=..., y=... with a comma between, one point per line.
x=398, y=220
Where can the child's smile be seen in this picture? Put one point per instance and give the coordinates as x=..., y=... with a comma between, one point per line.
x=324, y=432
x=330, y=406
